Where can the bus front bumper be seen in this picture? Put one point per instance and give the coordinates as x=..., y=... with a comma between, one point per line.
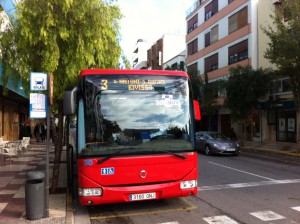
x=118, y=194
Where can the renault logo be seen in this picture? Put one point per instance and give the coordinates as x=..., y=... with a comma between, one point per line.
x=143, y=174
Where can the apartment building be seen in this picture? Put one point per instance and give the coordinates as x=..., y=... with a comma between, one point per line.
x=164, y=49
x=177, y=62
x=140, y=54
x=225, y=33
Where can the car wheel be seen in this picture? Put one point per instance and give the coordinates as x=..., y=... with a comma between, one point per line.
x=207, y=151
x=237, y=153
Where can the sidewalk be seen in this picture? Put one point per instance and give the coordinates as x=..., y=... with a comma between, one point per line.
x=281, y=148
x=12, y=186
x=13, y=179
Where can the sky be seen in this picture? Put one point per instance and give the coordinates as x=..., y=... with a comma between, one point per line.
x=150, y=20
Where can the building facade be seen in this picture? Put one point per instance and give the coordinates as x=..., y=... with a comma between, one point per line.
x=140, y=54
x=14, y=102
x=177, y=62
x=225, y=33
x=164, y=49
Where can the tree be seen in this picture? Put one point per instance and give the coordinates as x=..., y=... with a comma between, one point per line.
x=61, y=37
x=244, y=88
x=204, y=93
x=284, y=45
x=124, y=63
x=176, y=66
x=210, y=95
x=196, y=83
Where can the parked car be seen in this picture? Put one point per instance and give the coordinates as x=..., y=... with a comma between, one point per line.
x=216, y=143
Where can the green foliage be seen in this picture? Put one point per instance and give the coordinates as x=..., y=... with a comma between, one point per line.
x=210, y=94
x=61, y=37
x=204, y=92
x=176, y=67
x=196, y=84
x=245, y=87
x=284, y=45
x=125, y=63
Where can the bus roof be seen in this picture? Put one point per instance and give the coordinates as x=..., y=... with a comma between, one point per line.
x=131, y=72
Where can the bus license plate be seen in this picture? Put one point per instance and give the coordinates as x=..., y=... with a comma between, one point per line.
x=146, y=196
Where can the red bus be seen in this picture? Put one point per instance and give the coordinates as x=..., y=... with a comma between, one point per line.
x=135, y=137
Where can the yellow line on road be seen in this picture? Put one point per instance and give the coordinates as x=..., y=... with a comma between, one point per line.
x=274, y=151
x=190, y=207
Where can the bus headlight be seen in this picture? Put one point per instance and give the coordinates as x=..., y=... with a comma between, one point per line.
x=90, y=191
x=188, y=184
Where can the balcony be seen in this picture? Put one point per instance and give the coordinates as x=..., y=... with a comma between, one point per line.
x=193, y=7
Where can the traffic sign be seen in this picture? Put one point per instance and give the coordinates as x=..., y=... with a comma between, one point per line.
x=38, y=81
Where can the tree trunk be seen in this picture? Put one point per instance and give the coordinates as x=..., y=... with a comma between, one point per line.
x=242, y=131
x=58, y=149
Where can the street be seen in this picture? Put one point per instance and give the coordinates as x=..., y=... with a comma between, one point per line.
x=231, y=190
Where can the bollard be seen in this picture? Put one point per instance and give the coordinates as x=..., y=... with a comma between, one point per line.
x=34, y=195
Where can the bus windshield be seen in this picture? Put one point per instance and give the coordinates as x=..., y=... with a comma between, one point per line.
x=139, y=114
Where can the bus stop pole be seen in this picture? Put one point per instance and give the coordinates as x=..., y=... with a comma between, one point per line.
x=47, y=151
x=47, y=163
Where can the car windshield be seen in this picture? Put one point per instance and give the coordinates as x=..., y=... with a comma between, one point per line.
x=216, y=135
x=135, y=119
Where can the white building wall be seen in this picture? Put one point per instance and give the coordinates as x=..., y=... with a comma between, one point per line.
x=222, y=4
x=177, y=59
x=223, y=28
x=140, y=56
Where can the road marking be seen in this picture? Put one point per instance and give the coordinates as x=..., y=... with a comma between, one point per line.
x=217, y=164
x=222, y=219
x=267, y=215
x=250, y=184
x=296, y=208
x=2, y=206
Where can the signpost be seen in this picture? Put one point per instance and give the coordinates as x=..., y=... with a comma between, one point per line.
x=40, y=108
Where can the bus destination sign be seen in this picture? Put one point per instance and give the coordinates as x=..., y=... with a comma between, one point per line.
x=131, y=84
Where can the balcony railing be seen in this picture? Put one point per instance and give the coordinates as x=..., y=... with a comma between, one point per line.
x=194, y=6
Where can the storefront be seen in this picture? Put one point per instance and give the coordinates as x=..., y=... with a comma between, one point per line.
x=281, y=115
x=286, y=126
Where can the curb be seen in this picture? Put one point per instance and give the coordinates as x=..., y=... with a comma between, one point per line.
x=69, y=209
x=249, y=148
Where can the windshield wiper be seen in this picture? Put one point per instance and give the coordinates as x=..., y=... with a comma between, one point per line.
x=174, y=153
x=112, y=155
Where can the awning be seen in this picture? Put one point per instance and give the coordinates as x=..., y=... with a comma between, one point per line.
x=268, y=105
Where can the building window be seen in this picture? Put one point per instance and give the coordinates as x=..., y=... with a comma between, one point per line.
x=212, y=36
x=281, y=86
x=238, y=52
x=211, y=63
x=229, y=1
x=192, y=23
x=238, y=20
x=193, y=47
x=211, y=9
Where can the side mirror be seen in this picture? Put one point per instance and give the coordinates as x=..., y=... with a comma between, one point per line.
x=69, y=101
x=197, y=110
